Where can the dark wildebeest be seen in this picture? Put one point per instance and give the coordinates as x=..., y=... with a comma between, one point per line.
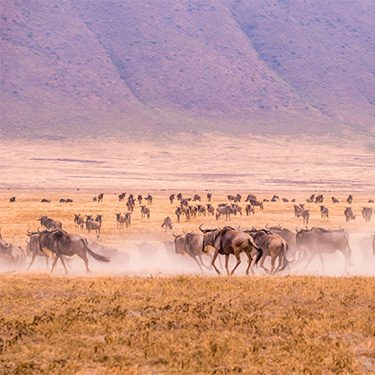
x=209, y=197
x=275, y=198
x=179, y=196
x=228, y=241
x=93, y=225
x=95, y=199
x=319, y=198
x=100, y=197
x=306, y=216
x=324, y=212
x=285, y=200
x=49, y=223
x=231, y=197
x=367, y=213
x=210, y=209
x=45, y=201
x=249, y=209
x=190, y=244
x=196, y=198
x=139, y=198
x=370, y=201
x=318, y=241
x=121, y=197
x=145, y=212
x=178, y=213
x=335, y=200
x=349, y=215
x=149, y=199
x=61, y=244
x=349, y=199
x=171, y=198
x=130, y=204
x=273, y=246
x=311, y=198
x=167, y=223
x=79, y=220
x=12, y=199
x=33, y=249
x=297, y=210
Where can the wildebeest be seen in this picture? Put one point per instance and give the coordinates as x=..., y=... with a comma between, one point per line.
x=275, y=198
x=190, y=244
x=273, y=246
x=319, y=198
x=120, y=220
x=228, y=241
x=349, y=199
x=100, y=197
x=324, y=212
x=121, y=197
x=66, y=200
x=223, y=210
x=335, y=200
x=44, y=200
x=130, y=204
x=349, y=215
x=288, y=235
x=33, y=249
x=178, y=213
x=145, y=212
x=306, y=216
x=61, y=244
x=236, y=209
x=237, y=198
x=79, y=220
x=12, y=199
x=297, y=210
x=49, y=223
x=209, y=197
x=196, y=198
x=318, y=241
x=149, y=199
x=210, y=209
x=171, y=198
x=140, y=198
x=201, y=210
x=367, y=213
x=249, y=209
x=99, y=219
x=285, y=200
x=167, y=223
x=311, y=198
x=11, y=253
x=93, y=225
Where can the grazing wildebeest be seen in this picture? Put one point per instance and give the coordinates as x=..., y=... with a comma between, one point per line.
x=145, y=212
x=311, y=198
x=190, y=244
x=100, y=197
x=61, y=244
x=209, y=197
x=231, y=197
x=349, y=199
x=178, y=213
x=349, y=215
x=93, y=225
x=228, y=241
x=335, y=200
x=50, y=223
x=324, y=212
x=318, y=241
x=273, y=246
x=149, y=199
x=370, y=201
x=12, y=199
x=293, y=200
x=210, y=209
x=275, y=198
x=45, y=201
x=167, y=223
x=367, y=213
x=319, y=198
x=171, y=198
x=285, y=200
x=249, y=209
x=79, y=220
x=306, y=216
x=121, y=197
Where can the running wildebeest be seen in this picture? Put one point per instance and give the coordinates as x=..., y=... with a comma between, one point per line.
x=145, y=212
x=288, y=235
x=228, y=241
x=273, y=246
x=12, y=199
x=167, y=223
x=49, y=223
x=319, y=198
x=349, y=199
x=190, y=244
x=349, y=215
x=324, y=212
x=33, y=249
x=318, y=241
x=367, y=213
x=61, y=244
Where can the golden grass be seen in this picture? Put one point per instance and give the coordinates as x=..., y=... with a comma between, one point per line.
x=186, y=325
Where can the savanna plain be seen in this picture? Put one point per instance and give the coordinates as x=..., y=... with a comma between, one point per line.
x=154, y=312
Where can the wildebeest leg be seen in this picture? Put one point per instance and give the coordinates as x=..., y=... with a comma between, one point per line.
x=273, y=261
x=237, y=264
x=54, y=263
x=63, y=263
x=280, y=257
x=226, y=263
x=196, y=260
x=201, y=260
x=250, y=261
x=213, y=261
x=262, y=263
x=47, y=262
x=32, y=261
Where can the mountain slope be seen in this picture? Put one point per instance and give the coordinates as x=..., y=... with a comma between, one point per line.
x=97, y=67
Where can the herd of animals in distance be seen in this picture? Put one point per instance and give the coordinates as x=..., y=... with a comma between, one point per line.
x=285, y=248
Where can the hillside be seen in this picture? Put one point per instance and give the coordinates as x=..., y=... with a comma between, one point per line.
x=102, y=68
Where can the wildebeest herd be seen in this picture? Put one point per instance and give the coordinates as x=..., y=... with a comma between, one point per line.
x=285, y=248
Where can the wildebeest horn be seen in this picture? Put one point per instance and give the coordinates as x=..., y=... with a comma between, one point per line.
x=175, y=236
x=200, y=228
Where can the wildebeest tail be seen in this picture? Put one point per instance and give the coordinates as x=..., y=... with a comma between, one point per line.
x=98, y=257
x=260, y=251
